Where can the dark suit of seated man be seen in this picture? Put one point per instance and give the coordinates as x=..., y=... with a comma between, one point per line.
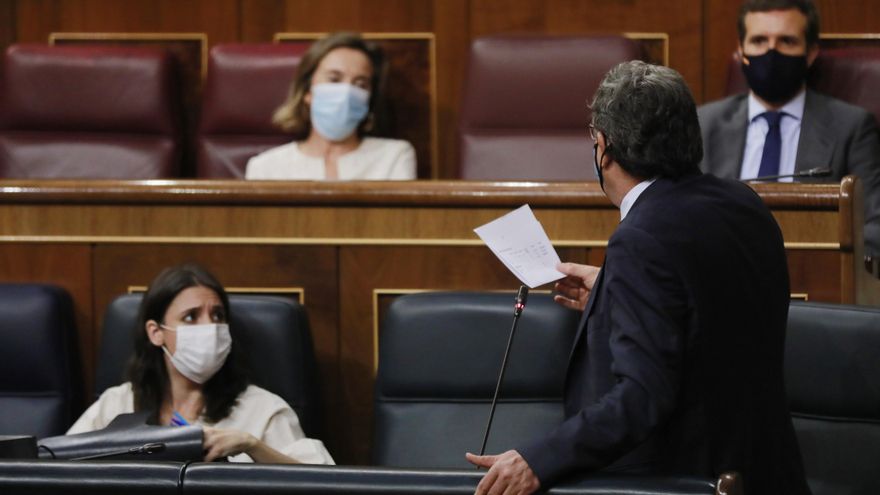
x=778, y=43
x=677, y=365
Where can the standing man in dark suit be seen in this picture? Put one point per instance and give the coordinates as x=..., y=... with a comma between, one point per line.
x=780, y=127
x=677, y=365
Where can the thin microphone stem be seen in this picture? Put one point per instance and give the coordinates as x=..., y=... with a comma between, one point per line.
x=813, y=172
x=517, y=312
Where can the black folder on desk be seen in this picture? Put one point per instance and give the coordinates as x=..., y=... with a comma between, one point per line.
x=124, y=438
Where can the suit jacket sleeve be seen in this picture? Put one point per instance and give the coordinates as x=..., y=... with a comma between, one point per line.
x=864, y=161
x=642, y=307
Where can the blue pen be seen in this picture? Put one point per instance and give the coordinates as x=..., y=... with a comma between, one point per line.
x=178, y=420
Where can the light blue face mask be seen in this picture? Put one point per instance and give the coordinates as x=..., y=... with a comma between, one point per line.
x=338, y=108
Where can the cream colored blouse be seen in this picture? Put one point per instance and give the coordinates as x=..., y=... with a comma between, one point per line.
x=374, y=159
x=258, y=412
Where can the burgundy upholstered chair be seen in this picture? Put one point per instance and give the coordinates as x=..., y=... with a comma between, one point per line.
x=849, y=74
x=89, y=112
x=524, y=111
x=246, y=83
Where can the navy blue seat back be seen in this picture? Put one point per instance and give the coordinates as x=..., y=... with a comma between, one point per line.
x=40, y=381
x=91, y=477
x=439, y=356
x=832, y=375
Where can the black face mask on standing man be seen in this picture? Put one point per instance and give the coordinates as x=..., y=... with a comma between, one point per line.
x=598, y=168
x=775, y=77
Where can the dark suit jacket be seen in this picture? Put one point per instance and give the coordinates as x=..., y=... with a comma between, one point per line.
x=677, y=366
x=834, y=134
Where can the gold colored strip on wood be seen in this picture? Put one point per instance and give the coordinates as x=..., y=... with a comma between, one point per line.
x=299, y=292
x=819, y=246
x=332, y=241
x=849, y=36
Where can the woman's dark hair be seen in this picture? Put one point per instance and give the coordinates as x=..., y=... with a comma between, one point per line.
x=294, y=115
x=146, y=369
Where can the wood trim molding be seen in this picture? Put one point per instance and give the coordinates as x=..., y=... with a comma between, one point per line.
x=663, y=38
x=359, y=193
x=299, y=292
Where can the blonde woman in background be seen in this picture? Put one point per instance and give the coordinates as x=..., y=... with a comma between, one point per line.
x=330, y=108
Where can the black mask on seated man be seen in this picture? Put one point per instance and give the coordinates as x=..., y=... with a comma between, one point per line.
x=775, y=77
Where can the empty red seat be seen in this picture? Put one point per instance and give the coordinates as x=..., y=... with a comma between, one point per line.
x=89, y=112
x=524, y=111
x=246, y=83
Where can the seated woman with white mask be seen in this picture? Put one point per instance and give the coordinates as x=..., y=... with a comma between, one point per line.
x=183, y=371
x=330, y=109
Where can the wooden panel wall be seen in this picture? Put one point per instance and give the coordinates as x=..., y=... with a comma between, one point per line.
x=7, y=23
x=217, y=18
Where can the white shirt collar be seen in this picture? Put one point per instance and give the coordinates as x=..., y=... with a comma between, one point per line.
x=794, y=108
x=632, y=195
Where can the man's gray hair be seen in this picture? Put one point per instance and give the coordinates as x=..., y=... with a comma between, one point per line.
x=649, y=120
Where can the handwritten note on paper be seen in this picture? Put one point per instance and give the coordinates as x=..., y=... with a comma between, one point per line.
x=519, y=241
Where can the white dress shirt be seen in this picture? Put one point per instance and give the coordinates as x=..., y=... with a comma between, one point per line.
x=790, y=130
x=373, y=159
x=632, y=195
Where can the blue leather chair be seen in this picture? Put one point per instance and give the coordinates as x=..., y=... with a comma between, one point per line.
x=40, y=380
x=439, y=356
x=832, y=375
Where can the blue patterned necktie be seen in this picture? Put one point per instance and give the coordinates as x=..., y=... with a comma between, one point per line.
x=772, y=145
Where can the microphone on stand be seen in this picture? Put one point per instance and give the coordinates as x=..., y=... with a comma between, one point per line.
x=813, y=172
x=521, y=296
x=145, y=449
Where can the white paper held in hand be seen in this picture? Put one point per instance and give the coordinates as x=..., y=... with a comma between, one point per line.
x=519, y=241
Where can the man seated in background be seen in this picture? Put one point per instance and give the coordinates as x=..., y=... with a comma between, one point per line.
x=780, y=127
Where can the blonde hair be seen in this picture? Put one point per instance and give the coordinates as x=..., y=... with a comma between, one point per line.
x=293, y=115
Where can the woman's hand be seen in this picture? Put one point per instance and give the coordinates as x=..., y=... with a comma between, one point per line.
x=223, y=443
x=574, y=289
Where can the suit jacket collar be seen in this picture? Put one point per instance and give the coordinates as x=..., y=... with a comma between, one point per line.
x=658, y=187
x=816, y=142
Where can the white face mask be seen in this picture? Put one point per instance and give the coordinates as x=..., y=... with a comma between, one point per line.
x=201, y=350
x=338, y=108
